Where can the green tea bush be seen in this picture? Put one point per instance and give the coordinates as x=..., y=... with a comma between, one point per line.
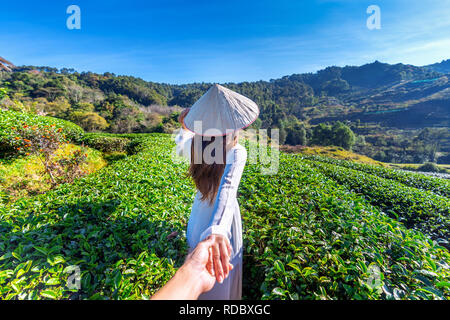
x=106, y=143
x=429, y=167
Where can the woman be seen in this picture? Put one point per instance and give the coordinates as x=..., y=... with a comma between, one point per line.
x=215, y=212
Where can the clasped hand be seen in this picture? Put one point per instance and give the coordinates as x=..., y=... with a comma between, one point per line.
x=219, y=257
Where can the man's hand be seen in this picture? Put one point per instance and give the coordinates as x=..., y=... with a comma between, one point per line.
x=200, y=264
x=195, y=276
x=221, y=253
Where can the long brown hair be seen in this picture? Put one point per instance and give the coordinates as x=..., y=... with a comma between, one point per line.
x=207, y=176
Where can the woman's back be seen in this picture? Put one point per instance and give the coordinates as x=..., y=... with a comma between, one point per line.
x=202, y=210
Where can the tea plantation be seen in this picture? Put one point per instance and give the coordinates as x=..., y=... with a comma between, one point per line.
x=315, y=230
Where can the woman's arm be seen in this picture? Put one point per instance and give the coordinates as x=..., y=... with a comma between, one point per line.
x=223, y=212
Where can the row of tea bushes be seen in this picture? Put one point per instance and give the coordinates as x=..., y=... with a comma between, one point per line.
x=416, y=208
x=416, y=180
x=106, y=142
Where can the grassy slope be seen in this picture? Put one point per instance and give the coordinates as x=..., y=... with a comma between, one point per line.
x=332, y=152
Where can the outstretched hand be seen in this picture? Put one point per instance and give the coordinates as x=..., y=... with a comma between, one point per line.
x=200, y=264
x=195, y=276
x=221, y=253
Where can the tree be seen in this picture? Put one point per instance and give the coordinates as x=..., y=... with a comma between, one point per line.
x=256, y=124
x=90, y=121
x=57, y=108
x=296, y=133
x=343, y=136
x=335, y=87
x=338, y=135
x=75, y=93
x=85, y=107
x=187, y=98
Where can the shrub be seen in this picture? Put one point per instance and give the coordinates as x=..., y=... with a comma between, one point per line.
x=306, y=237
x=44, y=142
x=429, y=167
x=11, y=120
x=106, y=143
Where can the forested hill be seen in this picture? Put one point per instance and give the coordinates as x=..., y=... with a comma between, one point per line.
x=389, y=96
x=289, y=95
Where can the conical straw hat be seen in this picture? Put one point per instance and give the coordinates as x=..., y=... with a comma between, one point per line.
x=220, y=111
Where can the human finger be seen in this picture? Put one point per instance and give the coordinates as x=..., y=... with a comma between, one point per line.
x=224, y=257
x=228, y=246
x=210, y=265
x=217, y=263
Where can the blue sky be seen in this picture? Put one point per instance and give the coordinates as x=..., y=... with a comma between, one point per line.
x=176, y=41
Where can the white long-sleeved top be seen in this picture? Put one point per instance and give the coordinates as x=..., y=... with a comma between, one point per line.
x=223, y=217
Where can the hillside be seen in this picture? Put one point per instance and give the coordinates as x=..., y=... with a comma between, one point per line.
x=442, y=67
x=331, y=152
x=375, y=100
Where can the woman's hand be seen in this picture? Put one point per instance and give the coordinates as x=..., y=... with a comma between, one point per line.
x=221, y=253
x=181, y=117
